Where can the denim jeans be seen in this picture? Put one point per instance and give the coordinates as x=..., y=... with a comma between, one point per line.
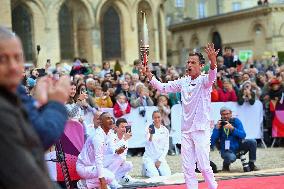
x=248, y=145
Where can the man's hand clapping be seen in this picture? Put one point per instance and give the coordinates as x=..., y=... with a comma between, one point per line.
x=46, y=89
x=58, y=91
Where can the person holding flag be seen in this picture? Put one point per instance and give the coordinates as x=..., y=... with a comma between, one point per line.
x=195, y=91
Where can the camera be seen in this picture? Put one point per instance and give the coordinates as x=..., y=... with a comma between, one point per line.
x=245, y=164
x=142, y=111
x=223, y=123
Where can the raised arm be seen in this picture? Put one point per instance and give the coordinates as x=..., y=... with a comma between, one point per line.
x=212, y=54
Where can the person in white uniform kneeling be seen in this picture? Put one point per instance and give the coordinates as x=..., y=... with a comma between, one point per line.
x=156, y=148
x=90, y=165
x=123, y=134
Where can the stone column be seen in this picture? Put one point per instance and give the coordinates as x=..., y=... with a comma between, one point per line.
x=6, y=14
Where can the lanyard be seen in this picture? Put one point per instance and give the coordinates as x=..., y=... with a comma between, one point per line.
x=227, y=132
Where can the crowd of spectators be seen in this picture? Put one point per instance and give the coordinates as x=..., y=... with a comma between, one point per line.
x=241, y=82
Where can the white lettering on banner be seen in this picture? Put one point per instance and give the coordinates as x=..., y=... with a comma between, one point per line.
x=138, y=124
x=250, y=115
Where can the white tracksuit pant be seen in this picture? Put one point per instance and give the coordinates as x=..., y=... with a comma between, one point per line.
x=195, y=147
x=117, y=165
x=90, y=175
x=125, y=168
x=152, y=171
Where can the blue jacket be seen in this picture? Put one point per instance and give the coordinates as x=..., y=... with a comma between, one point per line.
x=234, y=137
x=48, y=121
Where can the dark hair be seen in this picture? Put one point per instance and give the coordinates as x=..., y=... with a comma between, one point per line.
x=105, y=62
x=156, y=111
x=31, y=71
x=228, y=47
x=83, y=60
x=72, y=100
x=199, y=55
x=78, y=90
x=102, y=115
x=119, y=121
x=72, y=83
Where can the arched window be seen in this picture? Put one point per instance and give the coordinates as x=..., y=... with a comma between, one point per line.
x=161, y=32
x=216, y=39
x=111, y=39
x=66, y=33
x=22, y=26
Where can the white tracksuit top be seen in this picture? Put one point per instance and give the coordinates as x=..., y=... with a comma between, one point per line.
x=157, y=149
x=115, y=143
x=94, y=149
x=195, y=96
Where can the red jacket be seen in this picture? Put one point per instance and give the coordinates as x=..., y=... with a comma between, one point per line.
x=117, y=111
x=226, y=96
x=214, y=95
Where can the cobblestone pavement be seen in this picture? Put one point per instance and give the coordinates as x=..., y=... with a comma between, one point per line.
x=269, y=158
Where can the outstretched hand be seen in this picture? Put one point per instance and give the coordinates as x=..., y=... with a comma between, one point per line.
x=212, y=55
x=146, y=71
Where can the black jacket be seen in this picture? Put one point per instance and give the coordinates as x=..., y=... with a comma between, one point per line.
x=22, y=156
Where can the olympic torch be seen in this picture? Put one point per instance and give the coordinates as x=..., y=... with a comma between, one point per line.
x=144, y=43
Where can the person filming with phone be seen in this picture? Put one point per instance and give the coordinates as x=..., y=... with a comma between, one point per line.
x=231, y=134
x=156, y=148
x=120, y=138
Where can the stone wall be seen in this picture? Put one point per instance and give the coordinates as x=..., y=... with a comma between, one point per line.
x=86, y=31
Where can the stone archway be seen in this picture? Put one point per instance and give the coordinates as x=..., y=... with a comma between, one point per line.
x=181, y=51
x=22, y=26
x=194, y=43
x=111, y=33
x=259, y=46
x=75, y=31
x=217, y=41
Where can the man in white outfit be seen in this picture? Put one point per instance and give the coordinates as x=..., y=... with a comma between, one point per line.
x=90, y=164
x=195, y=91
x=156, y=148
x=119, y=166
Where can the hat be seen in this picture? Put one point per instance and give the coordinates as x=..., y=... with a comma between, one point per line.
x=31, y=82
x=274, y=81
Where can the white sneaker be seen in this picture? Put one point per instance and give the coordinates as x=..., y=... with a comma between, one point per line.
x=81, y=184
x=127, y=179
x=114, y=185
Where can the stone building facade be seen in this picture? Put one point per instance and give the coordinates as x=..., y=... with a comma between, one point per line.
x=245, y=27
x=97, y=30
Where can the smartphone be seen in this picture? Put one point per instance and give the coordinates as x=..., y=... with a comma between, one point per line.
x=128, y=128
x=152, y=127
